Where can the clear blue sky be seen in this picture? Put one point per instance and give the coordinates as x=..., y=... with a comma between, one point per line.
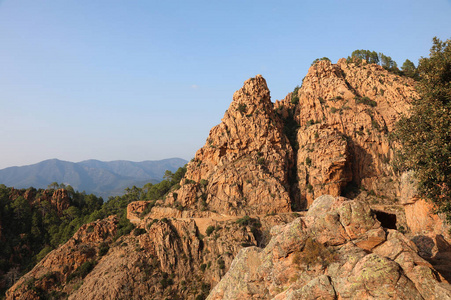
x=145, y=80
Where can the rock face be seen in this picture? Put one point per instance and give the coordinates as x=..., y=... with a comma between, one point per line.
x=244, y=166
x=337, y=251
x=345, y=113
x=323, y=162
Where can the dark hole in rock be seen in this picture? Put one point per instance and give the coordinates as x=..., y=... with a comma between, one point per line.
x=351, y=190
x=387, y=220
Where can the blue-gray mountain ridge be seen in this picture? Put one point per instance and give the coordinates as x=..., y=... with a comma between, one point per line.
x=92, y=176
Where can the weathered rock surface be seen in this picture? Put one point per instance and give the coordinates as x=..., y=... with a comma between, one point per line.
x=337, y=251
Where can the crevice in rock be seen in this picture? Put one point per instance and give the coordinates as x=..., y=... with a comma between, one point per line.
x=290, y=129
x=362, y=162
x=350, y=87
x=387, y=220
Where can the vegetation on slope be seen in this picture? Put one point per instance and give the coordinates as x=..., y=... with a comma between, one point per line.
x=372, y=57
x=426, y=134
x=29, y=229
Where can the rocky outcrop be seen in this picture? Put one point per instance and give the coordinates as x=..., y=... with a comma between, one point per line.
x=57, y=271
x=159, y=259
x=428, y=230
x=59, y=198
x=244, y=166
x=345, y=113
x=337, y=251
x=135, y=210
x=420, y=214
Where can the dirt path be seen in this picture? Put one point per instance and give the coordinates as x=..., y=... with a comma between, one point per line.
x=203, y=223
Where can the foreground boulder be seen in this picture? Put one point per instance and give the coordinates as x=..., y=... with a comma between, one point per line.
x=339, y=250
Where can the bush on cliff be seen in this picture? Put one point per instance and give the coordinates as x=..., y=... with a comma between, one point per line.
x=426, y=134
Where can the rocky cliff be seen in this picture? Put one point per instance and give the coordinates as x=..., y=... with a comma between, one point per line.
x=237, y=224
x=345, y=113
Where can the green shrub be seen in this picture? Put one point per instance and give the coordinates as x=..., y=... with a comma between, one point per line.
x=203, y=267
x=242, y=108
x=46, y=250
x=314, y=253
x=209, y=230
x=148, y=208
x=320, y=59
x=165, y=282
x=295, y=96
x=221, y=263
x=365, y=100
x=103, y=249
x=138, y=231
x=308, y=161
x=246, y=220
x=82, y=270
x=375, y=124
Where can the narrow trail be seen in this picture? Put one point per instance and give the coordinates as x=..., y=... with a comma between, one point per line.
x=203, y=223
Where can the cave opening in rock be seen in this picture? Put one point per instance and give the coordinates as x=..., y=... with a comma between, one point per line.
x=387, y=220
x=351, y=190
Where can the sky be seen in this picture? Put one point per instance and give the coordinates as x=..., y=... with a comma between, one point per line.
x=147, y=80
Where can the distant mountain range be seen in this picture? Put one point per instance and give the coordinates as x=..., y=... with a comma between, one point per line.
x=93, y=176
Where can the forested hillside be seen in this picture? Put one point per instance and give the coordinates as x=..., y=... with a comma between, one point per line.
x=33, y=222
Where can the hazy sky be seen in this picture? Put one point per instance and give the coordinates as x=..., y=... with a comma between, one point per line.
x=146, y=80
